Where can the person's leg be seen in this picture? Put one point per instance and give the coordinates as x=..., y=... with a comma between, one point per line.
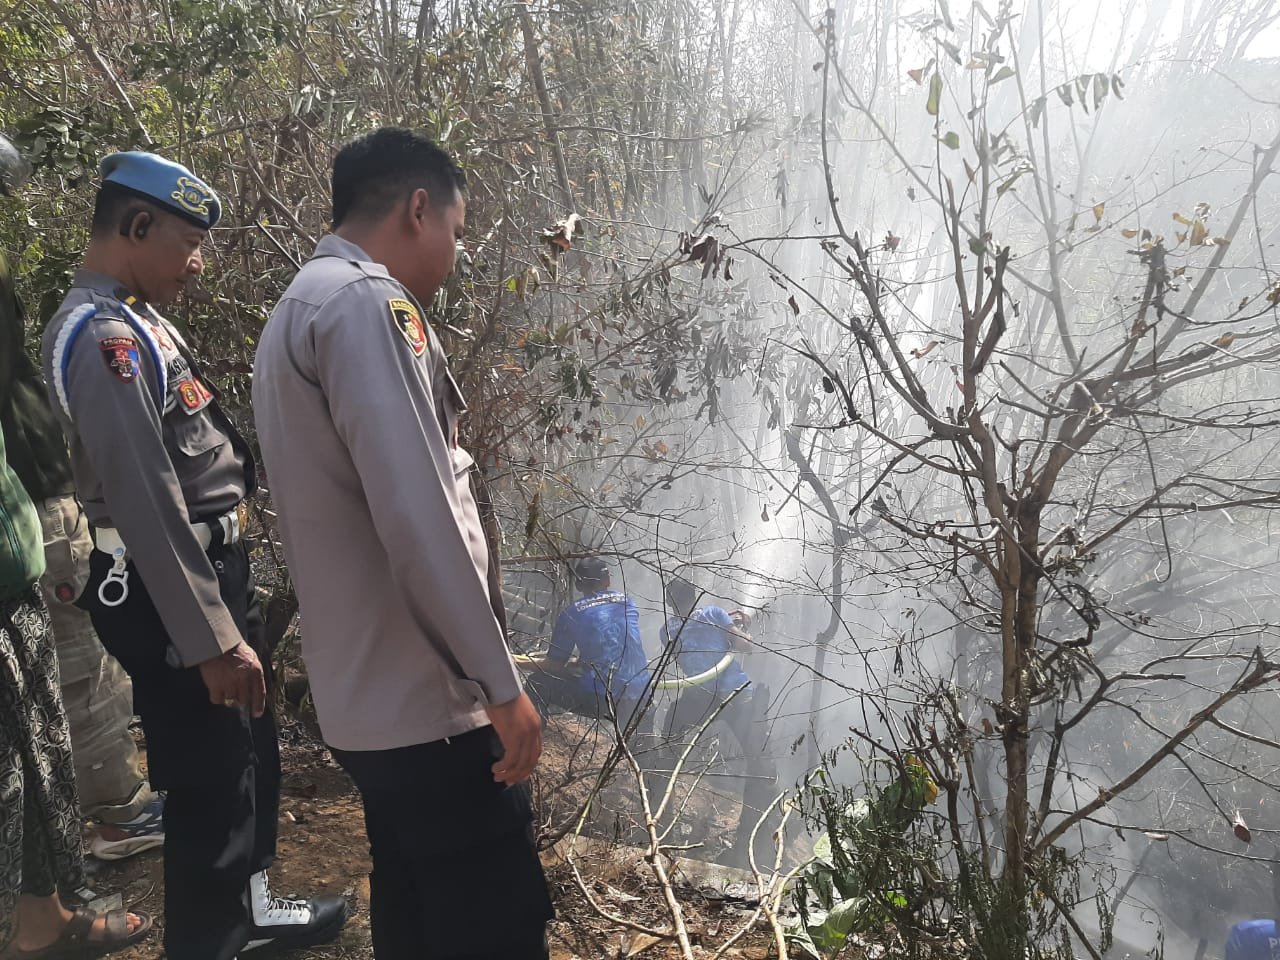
x=39, y=815
x=108, y=775
x=746, y=718
x=395, y=903
x=440, y=830
x=11, y=806
x=681, y=724
x=95, y=691
x=201, y=755
x=51, y=811
x=241, y=597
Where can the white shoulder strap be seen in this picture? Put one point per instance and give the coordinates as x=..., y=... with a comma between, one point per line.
x=74, y=325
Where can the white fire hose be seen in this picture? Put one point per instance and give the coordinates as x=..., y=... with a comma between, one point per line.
x=528, y=664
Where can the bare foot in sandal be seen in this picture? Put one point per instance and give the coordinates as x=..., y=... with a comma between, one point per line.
x=48, y=929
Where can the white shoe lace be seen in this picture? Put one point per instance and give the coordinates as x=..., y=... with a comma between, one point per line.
x=271, y=911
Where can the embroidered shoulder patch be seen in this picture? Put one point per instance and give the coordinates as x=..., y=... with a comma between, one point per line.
x=121, y=356
x=194, y=395
x=405, y=317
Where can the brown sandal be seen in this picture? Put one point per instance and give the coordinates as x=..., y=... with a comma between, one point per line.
x=75, y=942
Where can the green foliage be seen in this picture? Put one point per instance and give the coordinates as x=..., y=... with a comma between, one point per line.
x=869, y=868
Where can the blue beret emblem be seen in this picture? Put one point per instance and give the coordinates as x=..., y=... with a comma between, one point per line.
x=193, y=195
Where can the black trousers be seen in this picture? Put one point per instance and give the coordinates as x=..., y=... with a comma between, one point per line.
x=219, y=766
x=456, y=875
x=744, y=718
x=549, y=690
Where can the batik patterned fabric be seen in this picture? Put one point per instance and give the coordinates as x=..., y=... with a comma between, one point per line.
x=39, y=812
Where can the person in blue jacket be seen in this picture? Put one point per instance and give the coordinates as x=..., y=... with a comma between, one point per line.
x=1253, y=940
x=702, y=636
x=603, y=627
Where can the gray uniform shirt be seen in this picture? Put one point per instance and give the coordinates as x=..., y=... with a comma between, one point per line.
x=357, y=417
x=150, y=452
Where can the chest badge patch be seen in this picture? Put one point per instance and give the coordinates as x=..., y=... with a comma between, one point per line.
x=406, y=319
x=121, y=356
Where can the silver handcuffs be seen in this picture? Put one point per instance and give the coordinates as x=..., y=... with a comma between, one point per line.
x=117, y=575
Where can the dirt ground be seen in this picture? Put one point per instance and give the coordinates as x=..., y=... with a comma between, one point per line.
x=322, y=849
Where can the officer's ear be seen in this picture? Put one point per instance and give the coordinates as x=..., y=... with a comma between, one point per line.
x=420, y=208
x=135, y=223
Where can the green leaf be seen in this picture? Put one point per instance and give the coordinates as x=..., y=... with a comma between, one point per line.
x=1004, y=73
x=835, y=928
x=935, y=94
x=951, y=141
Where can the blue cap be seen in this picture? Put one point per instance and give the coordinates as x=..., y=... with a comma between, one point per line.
x=165, y=183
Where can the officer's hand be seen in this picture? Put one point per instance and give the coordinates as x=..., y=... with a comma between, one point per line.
x=520, y=729
x=235, y=679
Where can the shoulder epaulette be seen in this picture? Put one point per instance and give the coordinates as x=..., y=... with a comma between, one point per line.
x=71, y=329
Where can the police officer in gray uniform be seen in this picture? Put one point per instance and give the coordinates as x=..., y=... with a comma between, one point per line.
x=163, y=475
x=414, y=688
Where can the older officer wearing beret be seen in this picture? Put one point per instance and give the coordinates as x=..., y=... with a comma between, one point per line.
x=163, y=475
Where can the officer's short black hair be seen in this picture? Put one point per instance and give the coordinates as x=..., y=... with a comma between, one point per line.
x=591, y=570
x=372, y=173
x=115, y=209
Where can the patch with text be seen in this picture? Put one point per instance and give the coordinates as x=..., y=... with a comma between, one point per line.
x=406, y=319
x=121, y=356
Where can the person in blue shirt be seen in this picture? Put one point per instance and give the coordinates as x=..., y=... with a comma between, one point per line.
x=698, y=639
x=1253, y=940
x=703, y=637
x=603, y=627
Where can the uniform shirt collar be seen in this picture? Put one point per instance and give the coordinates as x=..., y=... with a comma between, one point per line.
x=100, y=283
x=332, y=245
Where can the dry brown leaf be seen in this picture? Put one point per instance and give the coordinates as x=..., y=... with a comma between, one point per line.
x=919, y=352
x=1199, y=232
x=560, y=235
x=634, y=942
x=1098, y=210
x=1182, y=220
x=1241, y=829
x=1128, y=234
x=1224, y=341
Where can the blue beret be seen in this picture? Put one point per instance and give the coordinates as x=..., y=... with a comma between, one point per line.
x=165, y=183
